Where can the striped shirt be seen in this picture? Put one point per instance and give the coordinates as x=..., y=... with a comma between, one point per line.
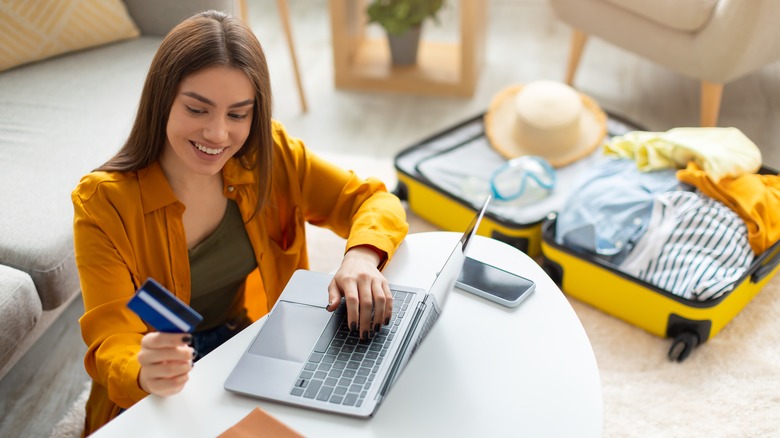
x=695, y=247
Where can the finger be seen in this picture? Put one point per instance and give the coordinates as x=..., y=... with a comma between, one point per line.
x=388, y=301
x=170, y=386
x=334, y=296
x=167, y=370
x=156, y=340
x=380, y=304
x=149, y=356
x=350, y=290
x=366, y=306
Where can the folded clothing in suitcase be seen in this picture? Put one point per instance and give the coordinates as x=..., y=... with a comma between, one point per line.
x=446, y=177
x=691, y=271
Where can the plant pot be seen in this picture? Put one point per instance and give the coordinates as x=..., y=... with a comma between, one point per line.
x=403, y=48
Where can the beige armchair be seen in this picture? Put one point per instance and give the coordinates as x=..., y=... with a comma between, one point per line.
x=714, y=41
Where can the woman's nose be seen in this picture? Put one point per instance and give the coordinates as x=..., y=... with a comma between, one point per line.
x=216, y=131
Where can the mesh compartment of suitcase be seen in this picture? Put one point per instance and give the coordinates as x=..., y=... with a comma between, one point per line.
x=462, y=156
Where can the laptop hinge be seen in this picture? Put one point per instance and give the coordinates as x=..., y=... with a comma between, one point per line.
x=395, y=368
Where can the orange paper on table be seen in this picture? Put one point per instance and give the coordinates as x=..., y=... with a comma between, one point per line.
x=259, y=423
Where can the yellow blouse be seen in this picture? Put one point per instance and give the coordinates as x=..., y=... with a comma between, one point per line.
x=128, y=227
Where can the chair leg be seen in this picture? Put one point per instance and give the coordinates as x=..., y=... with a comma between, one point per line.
x=284, y=14
x=243, y=9
x=711, y=93
x=578, y=39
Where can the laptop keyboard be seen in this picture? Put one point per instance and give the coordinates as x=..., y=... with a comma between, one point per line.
x=341, y=367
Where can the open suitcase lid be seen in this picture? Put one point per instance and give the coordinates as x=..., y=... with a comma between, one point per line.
x=459, y=161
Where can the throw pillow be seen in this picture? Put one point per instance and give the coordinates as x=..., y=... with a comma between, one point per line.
x=35, y=30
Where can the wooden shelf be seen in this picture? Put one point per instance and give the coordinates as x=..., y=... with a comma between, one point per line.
x=363, y=63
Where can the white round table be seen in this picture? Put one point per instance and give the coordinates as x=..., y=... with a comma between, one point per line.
x=484, y=370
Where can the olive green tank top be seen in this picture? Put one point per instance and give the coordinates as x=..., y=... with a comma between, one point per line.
x=218, y=267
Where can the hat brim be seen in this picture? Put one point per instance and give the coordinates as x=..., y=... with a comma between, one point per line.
x=500, y=120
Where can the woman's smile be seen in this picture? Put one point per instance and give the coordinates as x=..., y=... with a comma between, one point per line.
x=212, y=151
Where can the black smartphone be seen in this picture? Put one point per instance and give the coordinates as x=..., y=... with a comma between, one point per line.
x=494, y=284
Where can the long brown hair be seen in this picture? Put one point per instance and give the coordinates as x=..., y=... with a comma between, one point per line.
x=208, y=39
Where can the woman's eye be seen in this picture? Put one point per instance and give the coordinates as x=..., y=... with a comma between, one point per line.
x=237, y=116
x=194, y=110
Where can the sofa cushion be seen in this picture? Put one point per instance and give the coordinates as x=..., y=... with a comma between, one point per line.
x=684, y=15
x=20, y=309
x=157, y=18
x=37, y=30
x=59, y=119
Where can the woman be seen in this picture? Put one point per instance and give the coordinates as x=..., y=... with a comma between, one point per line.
x=209, y=196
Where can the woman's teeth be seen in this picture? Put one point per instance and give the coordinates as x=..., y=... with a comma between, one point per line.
x=207, y=150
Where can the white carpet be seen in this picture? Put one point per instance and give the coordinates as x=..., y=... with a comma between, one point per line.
x=72, y=423
x=729, y=387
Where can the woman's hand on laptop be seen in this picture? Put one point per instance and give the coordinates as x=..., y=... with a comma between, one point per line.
x=166, y=361
x=367, y=292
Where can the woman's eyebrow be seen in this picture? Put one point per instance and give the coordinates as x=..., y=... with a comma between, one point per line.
x=210, y=102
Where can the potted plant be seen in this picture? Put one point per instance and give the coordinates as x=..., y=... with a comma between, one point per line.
x=402, y=20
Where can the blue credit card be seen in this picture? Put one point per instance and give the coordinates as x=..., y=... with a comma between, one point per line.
x=162, y=310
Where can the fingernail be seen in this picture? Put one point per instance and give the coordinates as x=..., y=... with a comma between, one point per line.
x=353, y=327
x=376, y=328
x=187, y=339
x=329, y=303
x=387, y=321
x=364, y=335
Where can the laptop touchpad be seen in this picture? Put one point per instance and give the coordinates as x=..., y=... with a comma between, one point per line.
x=291, y=332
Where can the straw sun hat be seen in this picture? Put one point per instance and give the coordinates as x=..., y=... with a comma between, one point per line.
x=545, y=118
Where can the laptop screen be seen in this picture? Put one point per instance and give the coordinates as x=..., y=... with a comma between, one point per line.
x=445, y=281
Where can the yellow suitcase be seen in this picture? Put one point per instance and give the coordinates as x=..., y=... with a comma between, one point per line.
x=449, y=211
x=688, y=322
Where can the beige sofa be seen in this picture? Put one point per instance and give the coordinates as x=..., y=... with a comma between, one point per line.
x=60, y=118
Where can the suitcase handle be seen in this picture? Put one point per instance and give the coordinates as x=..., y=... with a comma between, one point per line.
x=767, y=266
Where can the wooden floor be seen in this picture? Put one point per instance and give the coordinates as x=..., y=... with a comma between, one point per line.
x=524, y=42
x=43, y=385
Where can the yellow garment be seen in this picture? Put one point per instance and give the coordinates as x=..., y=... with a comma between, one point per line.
x=128, y=226
x=755, y=198
x=722, y=152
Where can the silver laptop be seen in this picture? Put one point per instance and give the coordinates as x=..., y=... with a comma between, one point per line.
x=307, y=356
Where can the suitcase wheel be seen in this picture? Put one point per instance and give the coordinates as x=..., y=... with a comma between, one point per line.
x=682, y=346
x=553, y=270
x=401, y=191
